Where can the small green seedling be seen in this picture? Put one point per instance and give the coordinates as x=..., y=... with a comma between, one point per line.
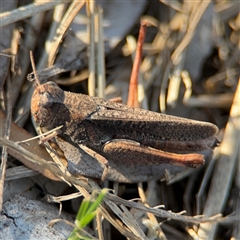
x=85, y=215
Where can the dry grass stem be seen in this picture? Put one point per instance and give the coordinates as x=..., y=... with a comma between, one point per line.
x=21, y=13
x=19, y=172
x=6, y=136
x=225, y=168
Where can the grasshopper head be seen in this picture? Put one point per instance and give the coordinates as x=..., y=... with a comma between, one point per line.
x=46, y=103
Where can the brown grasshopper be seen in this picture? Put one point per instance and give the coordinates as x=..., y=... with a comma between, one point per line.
x=103, y=139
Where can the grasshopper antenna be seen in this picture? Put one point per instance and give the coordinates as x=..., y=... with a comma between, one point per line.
x=34, y=68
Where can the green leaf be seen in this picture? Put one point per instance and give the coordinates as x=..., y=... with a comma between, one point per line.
x=83, y=209
x=85, y=215
x=87, y=219
x=96, y=203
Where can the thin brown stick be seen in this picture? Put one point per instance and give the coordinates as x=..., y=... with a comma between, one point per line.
x=34, y=68
x=133, y=86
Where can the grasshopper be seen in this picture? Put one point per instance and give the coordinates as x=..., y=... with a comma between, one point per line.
x=104, y=139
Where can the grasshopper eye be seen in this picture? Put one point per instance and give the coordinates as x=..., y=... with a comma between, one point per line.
x=46, y=100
